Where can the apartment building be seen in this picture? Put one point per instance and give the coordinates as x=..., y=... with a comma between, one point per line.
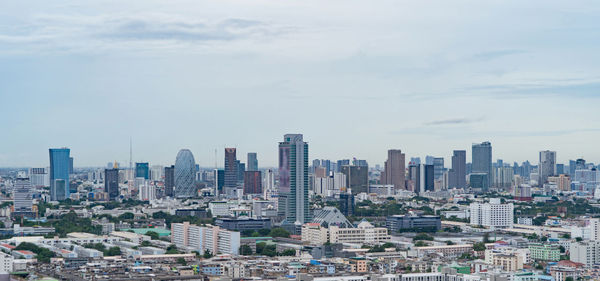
x=202, y=238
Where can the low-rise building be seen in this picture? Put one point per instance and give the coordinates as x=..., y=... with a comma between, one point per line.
x=544, y=252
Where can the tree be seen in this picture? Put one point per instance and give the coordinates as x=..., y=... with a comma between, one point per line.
x=42, y=254
x=479, y=246
x=449, y=242
x=420, y=243
x=113, y=251
x=181, y=260
x=569, y=278
x=486, y=237
x=146, y=244
x=172, y=249
x=279, y=232
x=423, y=236
x=207, y=254
x=288, y=252
x=126, y=216
x=245, y=250
x=578, y=239
x=153, y=235
x=270, y=251
x=260, y=247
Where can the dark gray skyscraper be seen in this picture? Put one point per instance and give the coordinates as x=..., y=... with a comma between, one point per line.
x=169, y=180
x=59, y=173
x=457, y=176
x=438, y=167
x=231, y=171
x=185, y=172
x=293, y=178
x=357, y=178
x=546, y=166
x=252, y=162
x=482, y=159
x=111, y=182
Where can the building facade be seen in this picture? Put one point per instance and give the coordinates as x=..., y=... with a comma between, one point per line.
x=59, y=173
x=293, y=179
x=184, y=172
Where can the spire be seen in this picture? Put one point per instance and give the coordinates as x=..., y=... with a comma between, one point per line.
x=115, y=165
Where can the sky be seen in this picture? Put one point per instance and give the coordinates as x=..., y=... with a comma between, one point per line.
x=355, y=77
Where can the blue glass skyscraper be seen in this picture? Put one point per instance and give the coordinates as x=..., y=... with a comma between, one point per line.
x=59, y=173
x=142, y=170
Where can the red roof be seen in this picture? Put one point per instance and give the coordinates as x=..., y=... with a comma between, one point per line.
x=7, y=246
x=568, y=263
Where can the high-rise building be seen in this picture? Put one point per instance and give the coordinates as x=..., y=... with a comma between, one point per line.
x=70, y=165
x=185, y=171
x=231, y=171
x=252, y=162
x=428, y=180
x=22, y=200
x=147, y=192
x=394, y=170
x=219, y=177
x=347, y=204
x=111, y=182
x=547, y=165
x=482, y=159
x=169, y=180
x=240, y=171
x=252, y=182
x=209, y=238
x=39, y=177
x=142, y=170
x=357, y=178
x=341, y=163
x=457, y=176
x=293, y=179
x=493, y=214
x=59, y=173
x=438, y=168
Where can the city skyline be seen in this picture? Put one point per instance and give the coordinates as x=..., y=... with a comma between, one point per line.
x=209, y=163
x=416, y=77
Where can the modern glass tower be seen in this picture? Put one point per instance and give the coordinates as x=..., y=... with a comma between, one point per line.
x=231, y=171
x=457, y=177
x=293, y=178
x=185, y=171
x=111, y=182
x=252, y=162
x=59, y=173
x=142, y=170
x=482, y=160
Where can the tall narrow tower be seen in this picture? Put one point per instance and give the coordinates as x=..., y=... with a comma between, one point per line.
x=293, y=179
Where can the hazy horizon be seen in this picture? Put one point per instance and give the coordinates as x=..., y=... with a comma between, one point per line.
x=356, y=78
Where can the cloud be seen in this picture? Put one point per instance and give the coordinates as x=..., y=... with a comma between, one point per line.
x=453, y=121
x=485, y=56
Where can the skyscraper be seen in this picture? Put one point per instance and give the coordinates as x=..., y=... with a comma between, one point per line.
x=546, y=166
x=252, y=162
x=252, y=182
x=482, y=160
x=142, y=170
x=111, y=182
x=169, y=180
x=428, y=179
x=438, y=167
x=357, y=178
x=394, y=171
x=219, y=176
x=185, y=171
x=293, y=179
x=22, y=199
x=231, y=171
x=59, y=173
x=458, y=173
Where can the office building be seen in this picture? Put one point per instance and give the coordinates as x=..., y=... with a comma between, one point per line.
x=169, y=180
x=142, y=170
x=427, y=180
x=546, y=167
x=185, y=171
x=231, y=171
x=457, y=176
x=39, y=177
x=147, y=192
x=59, y=173
x=493, y=214
x=241, y=224
x=394, y=169
x=482, y=160
x=364, y=233
x=293, y=179
x=357, y=178
x=205, y=238
x=479, y=181
x=219, y=178
x=438, y=168
x=413, y=223
x=586, y=252
x=22, y=198
x=252, y=162
x=347, y=204
x=111, y=182
x=252, y=182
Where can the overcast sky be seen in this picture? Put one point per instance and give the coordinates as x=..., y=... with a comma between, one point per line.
x=355, y=77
